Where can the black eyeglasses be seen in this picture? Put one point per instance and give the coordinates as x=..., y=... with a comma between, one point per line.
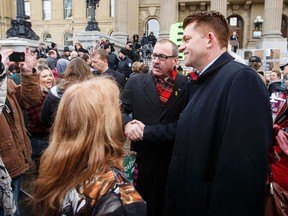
x=161, y=57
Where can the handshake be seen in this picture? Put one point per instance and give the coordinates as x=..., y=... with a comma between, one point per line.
x=134, y=130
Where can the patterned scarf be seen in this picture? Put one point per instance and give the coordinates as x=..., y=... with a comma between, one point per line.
x=165, y=87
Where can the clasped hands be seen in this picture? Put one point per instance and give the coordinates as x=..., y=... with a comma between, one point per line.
x=134, y=130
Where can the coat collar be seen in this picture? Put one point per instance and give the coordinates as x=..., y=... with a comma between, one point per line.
x=222, y=60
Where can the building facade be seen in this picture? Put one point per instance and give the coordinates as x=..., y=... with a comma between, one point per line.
x=61, y=21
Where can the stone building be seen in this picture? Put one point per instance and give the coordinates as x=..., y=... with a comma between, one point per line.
x=258, y=23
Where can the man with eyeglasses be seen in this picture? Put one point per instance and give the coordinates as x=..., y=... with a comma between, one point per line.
x=157, y=97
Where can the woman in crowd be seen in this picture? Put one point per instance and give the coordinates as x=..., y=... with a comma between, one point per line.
x=77, y=71
x=81, y=172
x=40, y=134
x=77, y=46
x=275, y=84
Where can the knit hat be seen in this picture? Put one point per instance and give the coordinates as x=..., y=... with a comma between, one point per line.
x=255, y=59
x=124, y=51
x=66, y=49
x=106, y=46
x=61, y=65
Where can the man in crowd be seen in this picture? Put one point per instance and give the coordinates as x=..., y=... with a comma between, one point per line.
x=154, y=98
x=52, y=59
x=14, y=143
x=125, y=63
x=66, y=53
x=100, y=64
x=219, y=162
x=41, y=51
x=131, y=53
x=113, y=60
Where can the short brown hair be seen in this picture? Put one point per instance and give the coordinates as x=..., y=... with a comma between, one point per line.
x=210, y=21
x=102, y=53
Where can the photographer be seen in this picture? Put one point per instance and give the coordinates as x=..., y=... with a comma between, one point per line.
x=41, y=51
x=14, y=142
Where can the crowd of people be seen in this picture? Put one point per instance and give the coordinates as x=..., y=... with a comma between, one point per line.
x=201, y=141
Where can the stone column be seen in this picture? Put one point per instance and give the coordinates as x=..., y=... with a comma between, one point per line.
x=168, y=16
x=220, y=6
x=271, y=34
x=121, y=21
x=272, y=18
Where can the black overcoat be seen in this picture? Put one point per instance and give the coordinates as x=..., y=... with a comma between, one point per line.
x=140, y=98
x=219, y=162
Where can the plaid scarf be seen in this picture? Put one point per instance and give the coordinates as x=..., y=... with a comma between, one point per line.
x=194, y=75
x=165, y=87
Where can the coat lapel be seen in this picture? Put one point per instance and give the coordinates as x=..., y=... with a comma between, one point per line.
x=178, y=90
x=150, y=90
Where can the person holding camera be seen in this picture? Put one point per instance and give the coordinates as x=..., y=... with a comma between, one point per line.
x=14, y=143
x=40, y=51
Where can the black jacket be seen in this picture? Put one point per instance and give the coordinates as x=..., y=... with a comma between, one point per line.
x=118, y=77
x=50, y=106
x=125, y=66
x=113, y=61
x=220, y=158
x=141, y=98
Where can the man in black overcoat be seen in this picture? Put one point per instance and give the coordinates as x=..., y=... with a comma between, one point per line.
x=157, y=97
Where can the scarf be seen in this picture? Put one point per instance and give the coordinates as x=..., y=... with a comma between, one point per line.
x=165, y=87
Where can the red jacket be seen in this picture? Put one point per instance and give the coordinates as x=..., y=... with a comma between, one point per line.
x=280, y=171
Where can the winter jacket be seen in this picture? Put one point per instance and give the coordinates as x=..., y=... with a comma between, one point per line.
x=15, y=147
x=220, y=157
x=50, y=106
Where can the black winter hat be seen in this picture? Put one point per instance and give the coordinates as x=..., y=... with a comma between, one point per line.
x=124, y=51
x=66, y=49
x=106, y=46
x=255, y=59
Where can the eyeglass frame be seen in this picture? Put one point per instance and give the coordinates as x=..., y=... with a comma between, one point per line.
x=161, y=57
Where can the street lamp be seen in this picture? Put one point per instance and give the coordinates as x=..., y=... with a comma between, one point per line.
x=19, y=26
x=92, y=24
x=258, y=21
